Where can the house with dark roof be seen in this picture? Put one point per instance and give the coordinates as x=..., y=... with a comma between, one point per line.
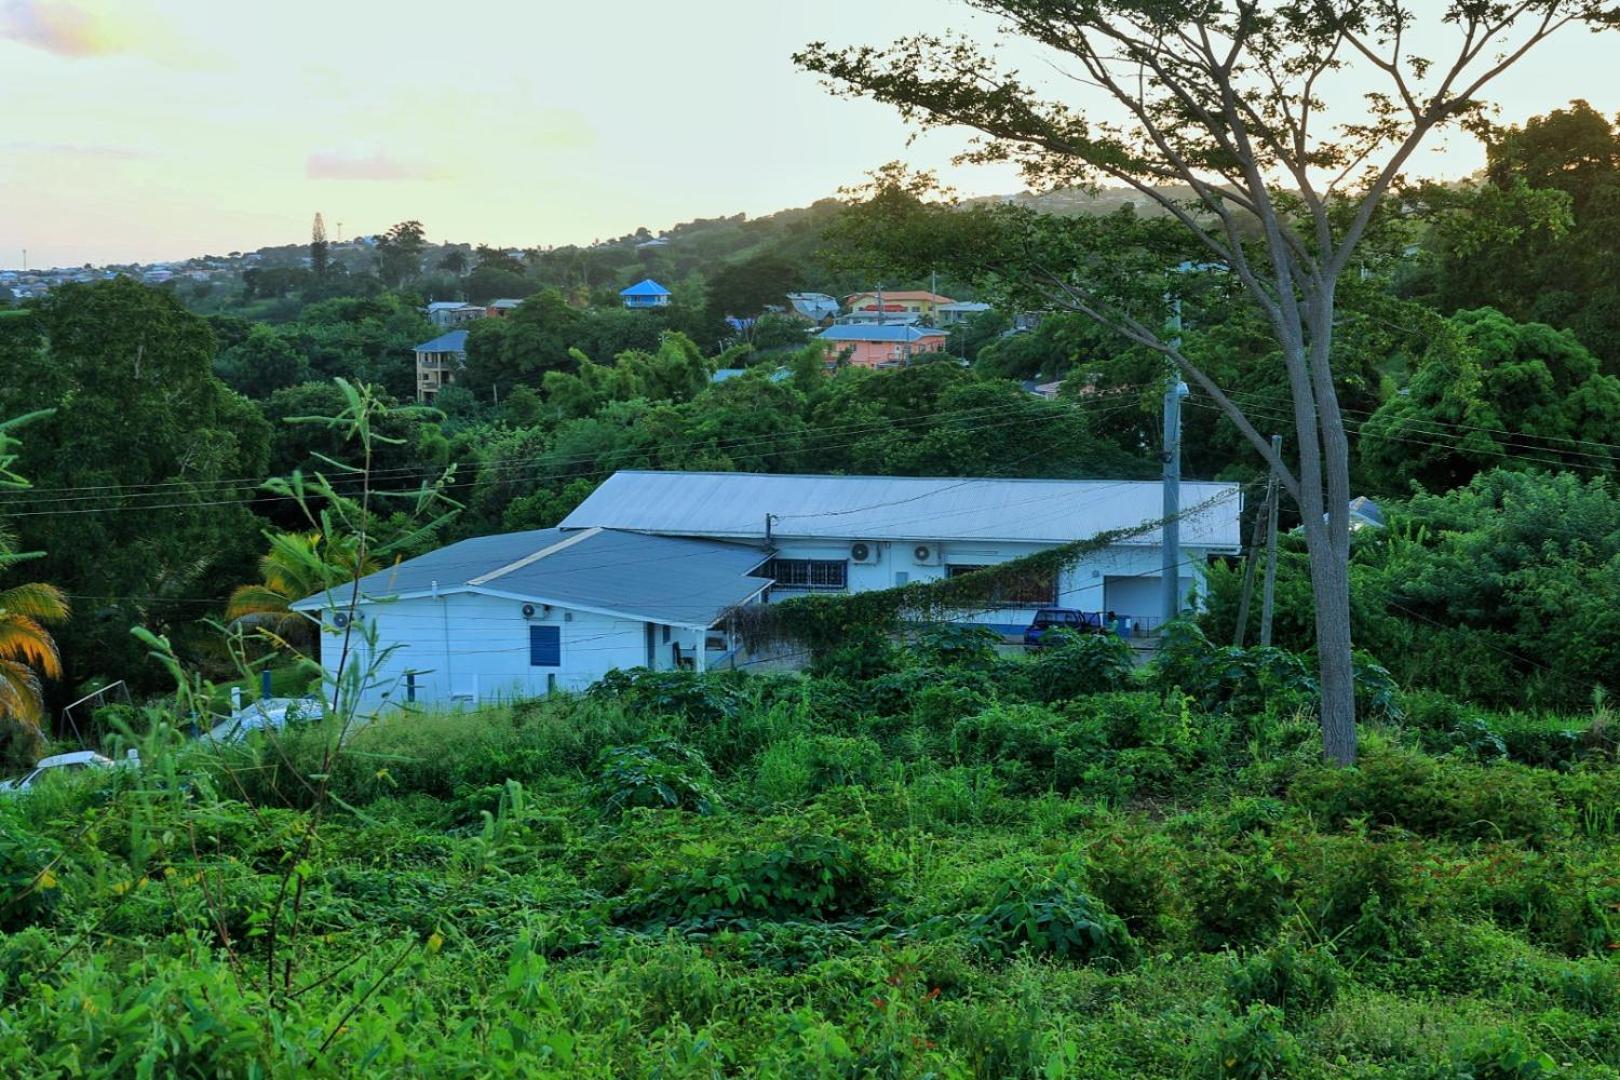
x=437, y=362
x=645, y=293
x=518, y=615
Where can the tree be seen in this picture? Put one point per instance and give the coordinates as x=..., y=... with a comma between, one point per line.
x=262, y=363
x=319, y=252
x=1539, y=239
x=399, y=253
x=298, y=565
x=745, y=288
x=146, y=470
x=1225, y=98
x=454, y=262
x=27, y=650
x=1488, y=392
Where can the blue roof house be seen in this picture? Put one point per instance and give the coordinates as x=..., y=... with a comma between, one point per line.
x=645, y=293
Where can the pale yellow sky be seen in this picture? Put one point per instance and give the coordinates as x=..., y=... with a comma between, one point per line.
x=158, y=129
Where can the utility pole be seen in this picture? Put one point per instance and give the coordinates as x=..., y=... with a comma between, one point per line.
x=1170, y=582
x=1249, y=566
x=1271, y=545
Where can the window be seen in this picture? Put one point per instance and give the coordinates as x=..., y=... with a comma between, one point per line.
x=545, y=646
x=808, y=573
x=1025, y=590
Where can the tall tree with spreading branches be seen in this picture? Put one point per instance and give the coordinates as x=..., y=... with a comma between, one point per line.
x=1228, y=100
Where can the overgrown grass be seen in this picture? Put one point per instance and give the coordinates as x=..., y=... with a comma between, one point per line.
x=956, y=868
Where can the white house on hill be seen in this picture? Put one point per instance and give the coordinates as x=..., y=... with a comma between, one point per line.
x=522, y=614
x=854, y=533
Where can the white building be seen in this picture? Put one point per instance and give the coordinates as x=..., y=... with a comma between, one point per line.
x=522, y=614
x=646, y=571
x=855, y=533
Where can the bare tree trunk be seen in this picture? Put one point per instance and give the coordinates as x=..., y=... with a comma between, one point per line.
x=1330, y=585
x=1330, y=551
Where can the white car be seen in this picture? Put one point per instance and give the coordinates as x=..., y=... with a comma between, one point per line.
x=62, y=765
x=266, y=714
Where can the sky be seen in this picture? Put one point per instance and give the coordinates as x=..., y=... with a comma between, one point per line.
x=146, y=130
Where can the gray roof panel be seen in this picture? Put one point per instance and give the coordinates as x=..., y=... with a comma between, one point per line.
x=942, y=509
x=675, y=580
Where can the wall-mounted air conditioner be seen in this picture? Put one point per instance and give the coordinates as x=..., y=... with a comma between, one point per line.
x=864, y=552
x=926, y=555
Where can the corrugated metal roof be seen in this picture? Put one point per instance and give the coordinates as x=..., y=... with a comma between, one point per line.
x=645, y=287
x=877, y=332
x=734, y=505
x=666, y=579
x=454, y=341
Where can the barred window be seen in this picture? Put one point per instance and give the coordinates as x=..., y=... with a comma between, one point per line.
x=808, y=573
x=1036, y=588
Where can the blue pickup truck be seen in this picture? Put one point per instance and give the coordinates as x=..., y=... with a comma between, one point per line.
x=1081, y=622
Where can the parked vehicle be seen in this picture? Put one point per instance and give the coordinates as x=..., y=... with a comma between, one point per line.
x=266, y=714
x=1081, y=622
x=59, y=765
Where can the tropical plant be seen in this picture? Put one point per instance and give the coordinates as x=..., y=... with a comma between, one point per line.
x=297, y=565
x=27, y=649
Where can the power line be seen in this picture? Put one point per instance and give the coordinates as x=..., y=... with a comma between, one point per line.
x=515, y=468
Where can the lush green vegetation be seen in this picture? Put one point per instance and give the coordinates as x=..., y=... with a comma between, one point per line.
x=965, y=864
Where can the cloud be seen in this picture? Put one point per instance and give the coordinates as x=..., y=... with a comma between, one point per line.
x=364, y=165
x=60, y=27
x=77, y=150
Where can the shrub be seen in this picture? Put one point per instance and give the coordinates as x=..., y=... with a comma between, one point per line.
x=1073, y=665
x=661, y=775
x=809, y=765
x=1391, y=786
x=1053, y=917
x=1289, y=978
x=1503, y=1054
x=808, y=876
x=1253, y=1046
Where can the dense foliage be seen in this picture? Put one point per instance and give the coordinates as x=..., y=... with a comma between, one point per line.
x=959, y=867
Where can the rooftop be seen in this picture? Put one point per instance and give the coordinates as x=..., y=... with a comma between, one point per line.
x=878, y=332
x=664, y=579
x=734, y=505
x=454, y=341
x=645, y=287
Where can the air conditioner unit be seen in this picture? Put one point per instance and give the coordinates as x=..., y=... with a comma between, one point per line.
x=926, y=554
x=533, y=611
x=863, y=551
x=340, y=619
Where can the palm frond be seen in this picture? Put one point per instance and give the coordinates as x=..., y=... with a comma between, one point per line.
x=20, y=696
x=21, y=638
x=36, y=600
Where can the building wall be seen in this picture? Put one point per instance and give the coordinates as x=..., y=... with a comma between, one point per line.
x=872, y=354
x=918, y=305
x=1122, y=578
x=470, y=649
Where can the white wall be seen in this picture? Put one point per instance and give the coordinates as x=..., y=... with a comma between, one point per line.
x=469, y=649
x=1123, y=577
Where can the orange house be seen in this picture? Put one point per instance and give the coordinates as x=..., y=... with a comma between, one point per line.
x=880, y=345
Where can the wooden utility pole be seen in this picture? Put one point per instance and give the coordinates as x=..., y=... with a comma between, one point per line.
x=1271, y=545
x=1249, y=565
